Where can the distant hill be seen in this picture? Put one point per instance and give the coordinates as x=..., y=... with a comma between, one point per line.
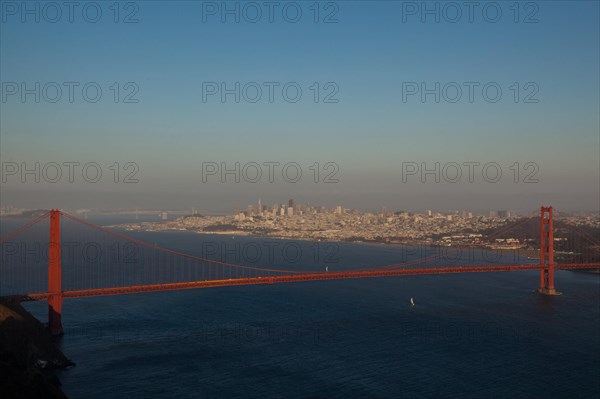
x=29, y=214
x=569, y=242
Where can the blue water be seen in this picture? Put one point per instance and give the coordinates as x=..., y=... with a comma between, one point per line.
x=468, y=336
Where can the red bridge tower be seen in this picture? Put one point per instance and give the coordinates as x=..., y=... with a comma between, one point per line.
x=547, y=248
x=55, y=299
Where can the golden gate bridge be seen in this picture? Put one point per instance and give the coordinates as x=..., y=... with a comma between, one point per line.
x=32, y=272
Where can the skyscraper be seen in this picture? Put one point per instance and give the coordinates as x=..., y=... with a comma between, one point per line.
x=502, y=214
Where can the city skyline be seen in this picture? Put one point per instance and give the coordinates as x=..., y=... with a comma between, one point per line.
x=282, y=208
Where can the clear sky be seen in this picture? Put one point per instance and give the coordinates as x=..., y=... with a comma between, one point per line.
x=367, y=59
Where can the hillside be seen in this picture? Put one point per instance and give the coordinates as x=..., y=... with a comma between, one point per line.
x=26, y=353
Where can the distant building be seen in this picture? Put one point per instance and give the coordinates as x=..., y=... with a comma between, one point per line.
x=503, y=214
x=290, y=211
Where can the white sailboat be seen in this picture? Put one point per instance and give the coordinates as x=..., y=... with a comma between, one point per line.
x=412, y=302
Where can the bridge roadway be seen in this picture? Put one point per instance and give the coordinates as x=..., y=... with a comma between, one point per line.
x=134, y=289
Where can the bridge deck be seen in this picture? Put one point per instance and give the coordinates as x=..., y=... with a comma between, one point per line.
x=298, y=278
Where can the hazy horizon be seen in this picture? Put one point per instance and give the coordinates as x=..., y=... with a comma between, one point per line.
x=379, y=83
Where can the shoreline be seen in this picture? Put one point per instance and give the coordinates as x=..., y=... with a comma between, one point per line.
x=529, y=253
